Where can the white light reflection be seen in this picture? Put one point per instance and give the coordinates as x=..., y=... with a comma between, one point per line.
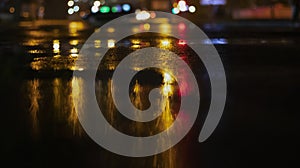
x=56, y=46
x=111, y=43
x=192, y=9
x=143, y=15
x=95, y=9
x=97, y=3
x=70, y=3
x=74, y=52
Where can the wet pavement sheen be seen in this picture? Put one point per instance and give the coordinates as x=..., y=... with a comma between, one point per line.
x=41, y=129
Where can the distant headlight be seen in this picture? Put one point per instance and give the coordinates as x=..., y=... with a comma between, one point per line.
x=143, y=15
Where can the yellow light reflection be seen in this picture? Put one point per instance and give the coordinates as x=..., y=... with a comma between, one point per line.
x=97, y=43
x=137, y=69
x=135, y=41
x=111, y=67
x=75, y=68
x=103, y=88
x=167, y=78
x=75, y=88
x=135, y=46
x=56, y=46
x=135, y=30
x=138, y=102
x=165, y=28
x=35, y=66
x=64, y=109
x=57, y=56
x=175, y=4
x=97, y=54
x=97, y=30
x=147, y=26
x=74, y=27
x=33, y=42
x=165, y=43
x=57, y=93
x=60, y=90
x=74, y=42
x=36, y=51
x=34, y=98
x=138, y=99
x=111, y=43
x=168, y=158
x=167, y=90
x=110, y=30
x=74, y=55
x=74, y=52
x=167, y=117
x=25, y=14
x=136, y=88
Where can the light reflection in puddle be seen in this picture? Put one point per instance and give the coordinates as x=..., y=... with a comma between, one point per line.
x=33, y=42
x=62, y=111
x=75, y=27
x=74, y=52
x=74, y=42
x=97, y=43
x=55, y=99
x=111, y=43
x=34, y=96
x=56, y=46
x=36, y=51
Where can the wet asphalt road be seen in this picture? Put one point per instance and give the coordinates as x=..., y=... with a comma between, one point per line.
x=259, y=127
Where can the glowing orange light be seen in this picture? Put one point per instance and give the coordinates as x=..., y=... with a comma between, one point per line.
x=175, y=4
x=111, y=30
x=11, y=10
x=153, y=15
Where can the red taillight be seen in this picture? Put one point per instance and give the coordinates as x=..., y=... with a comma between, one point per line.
x=182, y=42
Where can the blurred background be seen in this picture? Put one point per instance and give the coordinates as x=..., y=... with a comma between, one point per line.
x=205, y=10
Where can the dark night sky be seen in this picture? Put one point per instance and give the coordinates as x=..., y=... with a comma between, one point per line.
x=55, y=9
